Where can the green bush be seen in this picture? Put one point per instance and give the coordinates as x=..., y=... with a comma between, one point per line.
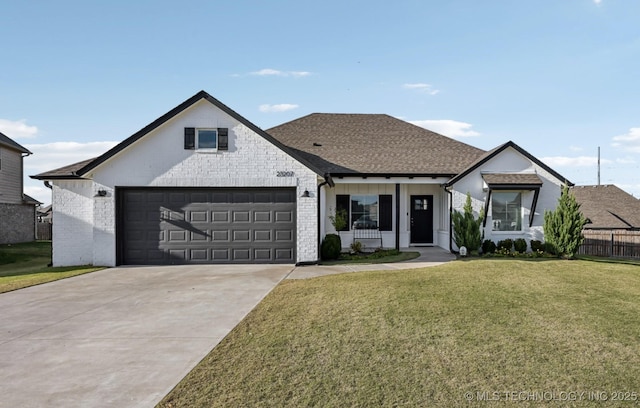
x=488, y=246
x=537, y=246
x=563, y=226
x=505, y=244
x=331, y=246
x=466, y=228
x=520, y=245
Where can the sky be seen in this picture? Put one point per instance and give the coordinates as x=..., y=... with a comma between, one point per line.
x=560, y=78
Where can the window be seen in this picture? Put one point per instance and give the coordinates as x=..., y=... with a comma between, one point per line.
x=506, y=211
x=206, y=139
x=367, y=211
x=364, y=211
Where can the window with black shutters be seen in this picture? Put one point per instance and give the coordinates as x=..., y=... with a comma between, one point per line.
x=367, y=211
x=209, y=139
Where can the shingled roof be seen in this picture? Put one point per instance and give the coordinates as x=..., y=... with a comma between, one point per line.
x=608, y=207
x=66, y=172
x=6, y=141
x=373, y=144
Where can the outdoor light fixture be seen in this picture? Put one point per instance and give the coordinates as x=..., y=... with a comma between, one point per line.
x=102, y=193
x=306, y=194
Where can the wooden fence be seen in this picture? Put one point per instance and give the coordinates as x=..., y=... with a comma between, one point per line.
x=611, y=243
x=43, y=231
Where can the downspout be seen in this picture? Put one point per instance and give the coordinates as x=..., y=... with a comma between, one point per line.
x=49, y=186
x=397, y=216
x=450, y=218
x=327, y=180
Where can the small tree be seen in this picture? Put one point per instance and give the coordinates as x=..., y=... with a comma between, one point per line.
x=563, y=226
x=466, y=228
x=339, y=219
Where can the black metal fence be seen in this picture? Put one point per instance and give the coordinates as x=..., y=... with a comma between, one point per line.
x=611, y=243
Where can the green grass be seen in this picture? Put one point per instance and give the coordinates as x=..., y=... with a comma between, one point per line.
x=23, y=265
x=425, y=337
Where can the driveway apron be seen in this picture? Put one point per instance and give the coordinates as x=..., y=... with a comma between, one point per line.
x=121, y=337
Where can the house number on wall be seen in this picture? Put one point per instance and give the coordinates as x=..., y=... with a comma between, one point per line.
x=285, y=174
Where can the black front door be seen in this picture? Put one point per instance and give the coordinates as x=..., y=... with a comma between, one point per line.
x=421, y=219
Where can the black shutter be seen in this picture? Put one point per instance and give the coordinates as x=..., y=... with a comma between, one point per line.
x=385, y=213
x=342, y=203
x=223, y=139
x=189, y=138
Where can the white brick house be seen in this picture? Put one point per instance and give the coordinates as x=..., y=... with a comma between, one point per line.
x=202, y=184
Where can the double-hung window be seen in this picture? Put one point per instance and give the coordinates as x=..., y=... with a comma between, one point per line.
x=506, y=210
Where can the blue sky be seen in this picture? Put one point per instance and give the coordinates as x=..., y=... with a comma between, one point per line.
x=558, y=77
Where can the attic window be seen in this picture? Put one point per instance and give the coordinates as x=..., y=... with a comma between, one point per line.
x=206, y=139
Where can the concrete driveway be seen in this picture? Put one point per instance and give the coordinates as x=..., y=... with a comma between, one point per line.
x=121, y=337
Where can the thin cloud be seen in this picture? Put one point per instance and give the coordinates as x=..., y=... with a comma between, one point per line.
x=580, y=161
x=420, y=87
x=18, y=129
x=629, y=142
x=275, y=72
x=282, y=107
x=49, y=156
x=447, y=127
x=597, y=2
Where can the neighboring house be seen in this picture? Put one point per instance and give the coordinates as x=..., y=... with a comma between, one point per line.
x=17, y=210
x=608, y=207
x=613, y=221
x=45, y=214
x=202, y=184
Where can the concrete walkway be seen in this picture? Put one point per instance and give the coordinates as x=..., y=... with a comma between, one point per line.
x=429, y=256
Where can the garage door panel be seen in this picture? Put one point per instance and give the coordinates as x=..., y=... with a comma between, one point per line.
x=220, y=216
x=262, y=216
x=241, y=235
x=284, y=255
x=261, y=235
x=284, y=216
x=241, y=254
x=206, y=225
x=241, y=216
x=284, y=235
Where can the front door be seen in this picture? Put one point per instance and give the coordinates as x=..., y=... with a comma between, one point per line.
x=421, y=219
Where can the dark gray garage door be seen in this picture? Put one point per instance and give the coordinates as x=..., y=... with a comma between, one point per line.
x=158, y=226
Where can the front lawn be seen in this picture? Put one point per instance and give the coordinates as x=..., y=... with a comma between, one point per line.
x=565, y=332
x=23, y=265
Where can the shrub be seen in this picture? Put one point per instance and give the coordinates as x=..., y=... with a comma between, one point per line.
x=466, y=228
x=331, y=246
x=356, y=247
x=563, y=226
x=520, y=245
x=537, y=246
x=488, y=246
x=505, y=244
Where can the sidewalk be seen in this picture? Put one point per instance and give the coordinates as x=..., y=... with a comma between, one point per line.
x=429, y=256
